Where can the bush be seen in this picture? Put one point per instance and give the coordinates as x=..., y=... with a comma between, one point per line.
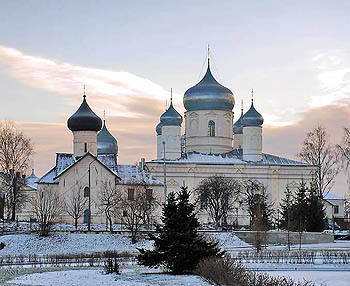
x=226, y=271
x=111, y=265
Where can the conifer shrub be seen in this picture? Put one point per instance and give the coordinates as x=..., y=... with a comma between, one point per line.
x=177, y=245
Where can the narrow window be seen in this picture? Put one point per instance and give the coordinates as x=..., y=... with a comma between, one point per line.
x=86, y=192
x=149, y=194
x=86, y=216
x=211, y=128
x=131, y=194
x=125, y=213
x=85, y=147
x=336, y=209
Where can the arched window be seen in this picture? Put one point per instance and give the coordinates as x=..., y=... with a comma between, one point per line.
x=211, y=128
x=86, y=192
x=86, y=216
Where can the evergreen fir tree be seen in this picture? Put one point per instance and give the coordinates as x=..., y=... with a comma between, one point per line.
x=286, y=208
x=299, y=211
x=316, y=218
x=178, y=246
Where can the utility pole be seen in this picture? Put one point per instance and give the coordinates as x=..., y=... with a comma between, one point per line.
x=164, y=164
x=89, y=171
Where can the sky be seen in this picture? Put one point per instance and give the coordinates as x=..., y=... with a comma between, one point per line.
x=295, y=54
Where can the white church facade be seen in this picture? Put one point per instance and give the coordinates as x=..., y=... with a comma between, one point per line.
x=213, y=145
x=92, y=167
x=210, y=145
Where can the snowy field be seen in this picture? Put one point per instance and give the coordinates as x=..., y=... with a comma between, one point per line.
x=97, y=277
x=324, y=278
x=130, y=277
x=71, y=243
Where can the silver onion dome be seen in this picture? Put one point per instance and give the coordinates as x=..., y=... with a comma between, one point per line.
x=84, y=119
x=208, y=94
x=106, y=143
x=238, y=125
x=159, y=128
x=171, y=117
x=252, y=117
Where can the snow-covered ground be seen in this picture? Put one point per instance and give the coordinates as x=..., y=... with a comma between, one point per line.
x=71, y=243
x=324, y=278
x=68, y=243
x=97, y=277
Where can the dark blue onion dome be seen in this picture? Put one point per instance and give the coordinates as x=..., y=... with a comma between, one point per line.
x=238, y=125
x=159, y=128
x=171, y=117
x=84, y=119
x=252, y=117
x=208, y=94
x=106, y=143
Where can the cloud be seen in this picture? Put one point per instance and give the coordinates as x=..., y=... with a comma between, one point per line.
x=135, y=104
x=116, y=90
x=333, y=74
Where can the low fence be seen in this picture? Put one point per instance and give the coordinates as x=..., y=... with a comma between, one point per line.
x=276, y=237
x=293, y=257
x=64, y=260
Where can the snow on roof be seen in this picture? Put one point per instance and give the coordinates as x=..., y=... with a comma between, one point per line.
x=132, y=174
x=330, y=196
x=32, y=180
x=109, y=160
x=63, y=161
x=235, y=157
x=49, y=177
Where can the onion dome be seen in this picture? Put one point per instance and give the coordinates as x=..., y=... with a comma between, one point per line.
x=238, y=125
x=208, y=94
x=171, y=117
x=84, y=119
x=159, y=128
x=252, y=117
x=106, y=143
x=32, y=180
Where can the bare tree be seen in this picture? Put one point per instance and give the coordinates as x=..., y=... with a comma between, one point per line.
x=344, y=149
x=75, y=204
x=260, y=210
x=108, y=201
x=136, y=207
x=15, y=152
x=217, y=195
x=48, y=207
x=317, y=150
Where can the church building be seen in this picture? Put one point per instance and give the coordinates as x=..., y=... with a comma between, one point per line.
x=92, y=167
x=213, y=145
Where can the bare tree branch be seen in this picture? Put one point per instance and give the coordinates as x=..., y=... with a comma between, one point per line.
x=318, y=151
x=48, y=207
x=218, y=195
x=15, y=152
x=75, y=204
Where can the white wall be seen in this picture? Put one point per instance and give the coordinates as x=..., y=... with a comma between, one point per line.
x=197, y=138
x=171, y=135
x=252, y=143
x=82, y=137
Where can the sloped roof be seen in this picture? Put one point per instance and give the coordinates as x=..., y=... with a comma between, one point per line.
x=49, y=177
x=235, y=157
x=132, y=174
x=330, y=196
